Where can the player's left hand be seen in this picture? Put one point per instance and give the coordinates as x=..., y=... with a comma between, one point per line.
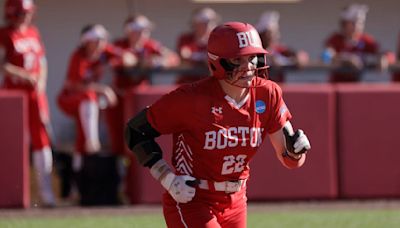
x=296, y=143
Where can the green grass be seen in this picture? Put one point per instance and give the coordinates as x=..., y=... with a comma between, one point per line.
x=326, y=219
x=306, y=219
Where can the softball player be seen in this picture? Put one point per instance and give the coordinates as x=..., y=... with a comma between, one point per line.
x=280, y=54
x=351, y=46
x=149, y=53
x=192, y=46
x=25, y=69
x=83, y=95
x=217, y=124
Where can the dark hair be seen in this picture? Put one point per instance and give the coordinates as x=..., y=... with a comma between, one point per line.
x=87, y=28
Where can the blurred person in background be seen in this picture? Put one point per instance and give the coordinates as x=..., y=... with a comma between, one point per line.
x=149, y=54
x=280, y=55
x=24, y=66
x=83, y=95
x=192, y=45
x=351, y=48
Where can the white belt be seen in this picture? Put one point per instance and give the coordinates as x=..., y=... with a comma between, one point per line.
x=224, y=186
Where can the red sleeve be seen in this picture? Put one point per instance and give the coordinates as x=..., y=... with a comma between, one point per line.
x=183, y=40
x=170, y=113
x=286, y=51
x=113, y=51
x=76, y=68
x=153, y=47
x=279, y=113
x=113, y=55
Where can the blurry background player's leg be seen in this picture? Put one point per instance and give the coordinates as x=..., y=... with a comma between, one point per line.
x=42, y=154
x=89, y=118
x=42, y=162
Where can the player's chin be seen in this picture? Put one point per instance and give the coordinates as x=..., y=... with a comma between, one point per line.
x=245, y=81
x=246, y=78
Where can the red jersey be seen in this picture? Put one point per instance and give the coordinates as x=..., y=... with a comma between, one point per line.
x=282, y=55
x=150, y=48
x=366, y=44
x=23, y=49
x=192, y=52
x=214, y=137
x=363, y=46
x=84, y=70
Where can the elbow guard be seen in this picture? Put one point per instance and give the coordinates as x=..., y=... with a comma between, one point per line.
x=139, y=136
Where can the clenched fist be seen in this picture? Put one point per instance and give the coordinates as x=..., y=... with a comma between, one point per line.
x=296, y=143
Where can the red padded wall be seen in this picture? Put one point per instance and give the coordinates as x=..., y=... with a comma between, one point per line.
x=368, y=140
x=313, y=110
x=14, y=163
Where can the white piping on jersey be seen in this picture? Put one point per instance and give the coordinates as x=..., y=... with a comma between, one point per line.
x=183, y=156
x=185, y=147
x=180, y=214
x=239, y=104
x=183, y=166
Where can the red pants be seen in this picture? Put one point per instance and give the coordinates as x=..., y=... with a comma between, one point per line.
x=208, y=209
x=39, y=119
x=69, y=103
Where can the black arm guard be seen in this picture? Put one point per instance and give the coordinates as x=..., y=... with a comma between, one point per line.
x=139, y=136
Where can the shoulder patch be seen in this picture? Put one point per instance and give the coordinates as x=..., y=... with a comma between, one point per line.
x=260, y=106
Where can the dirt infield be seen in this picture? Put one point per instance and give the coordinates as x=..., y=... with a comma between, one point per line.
x=67, y=211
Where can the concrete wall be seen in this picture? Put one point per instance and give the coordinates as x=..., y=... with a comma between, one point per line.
x=303, y=25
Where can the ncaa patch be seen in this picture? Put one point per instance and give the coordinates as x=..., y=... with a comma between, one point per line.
x=260, y=106
x=283, y=109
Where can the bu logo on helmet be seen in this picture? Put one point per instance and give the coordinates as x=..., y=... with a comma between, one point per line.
x=247, y=39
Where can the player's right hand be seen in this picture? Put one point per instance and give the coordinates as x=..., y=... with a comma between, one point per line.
x=296, y=143
x=178, y=188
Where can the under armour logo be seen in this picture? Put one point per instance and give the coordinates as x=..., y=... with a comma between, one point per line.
x=216, y=110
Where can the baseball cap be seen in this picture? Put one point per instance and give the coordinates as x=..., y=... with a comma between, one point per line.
x=96, y=32
x=138, y=23
x=355, y=12
x=205, y=15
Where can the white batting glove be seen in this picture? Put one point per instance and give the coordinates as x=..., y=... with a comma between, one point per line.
x=177, y=185
x=296, y=143
x=302, y=143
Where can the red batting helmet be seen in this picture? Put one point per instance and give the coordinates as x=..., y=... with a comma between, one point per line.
x=232, y=40
x=14, y=8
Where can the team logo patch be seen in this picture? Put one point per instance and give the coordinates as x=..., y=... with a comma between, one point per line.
x=260, y=106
